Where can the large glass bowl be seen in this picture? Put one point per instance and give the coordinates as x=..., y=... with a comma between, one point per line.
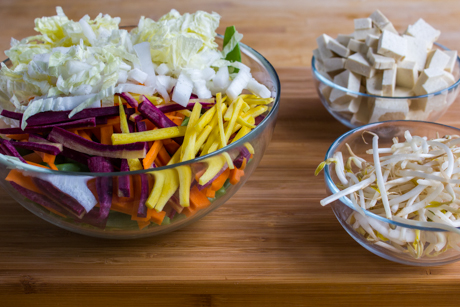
x=426, y=255
x=424, y=107
x=119, y=224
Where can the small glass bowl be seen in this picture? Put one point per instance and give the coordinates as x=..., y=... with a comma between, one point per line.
x=406, y=253
x=428, y=107
x=120, y=224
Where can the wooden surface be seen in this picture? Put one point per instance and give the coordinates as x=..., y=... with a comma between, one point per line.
x=272, y=244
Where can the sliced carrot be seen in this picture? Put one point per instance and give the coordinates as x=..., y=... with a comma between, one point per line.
x=152, y=154
x=219, y=182
x=198, y=201
x=39, y=165
x=96, y=132
x=117, y=128
x=19, y=178
x=209, y=192
x=199, y=174
x=75, y=131
x=171, y=146
x=49, y=158
x=163, y=156
x=84, y=134
x=142, y=225
x=106, y=135
x=158, y=163
x=175, y=117
x=157, y=217
x=149, y=124
x=33, y=157
x=235, y=175
x=55, y=212
x=18, y=137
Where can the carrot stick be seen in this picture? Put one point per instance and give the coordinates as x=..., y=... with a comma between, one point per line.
x=171, y=146
x=163, y=156
x=158, y=163
x=97, y=133
x=33, y=157
x=49, y=158
x=158, y=217
x=36, y=164
x=142, y=225
x=19, y=178
x=152, y=154
x=199, y=174
x=243, y=165
x=106, y=135
x=198, y=201
x=209, y=192
x=18, y=137
x=235, y=175
x=84, y=134
x=219, y=182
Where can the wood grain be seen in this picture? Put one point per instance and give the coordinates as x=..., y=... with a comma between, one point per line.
x=272, y=244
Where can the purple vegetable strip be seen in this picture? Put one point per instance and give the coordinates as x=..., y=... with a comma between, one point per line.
x=75, y=155
x=75, y=142
x=129, y=99
x=81, y=123
x=62, y=116
x=124, y=185
x=244, y=153
x=101, y=120
x=136, y=117
x=9, y=150
x=201, y=187
x=94, y=218
x=131, y=127
x=69, y=203
x=177, y=107
x=259, y=119
x=141, y=126
x=39, y=198
x=175, y=204
x=142, y=208
x=104, y=185
x=42, y=147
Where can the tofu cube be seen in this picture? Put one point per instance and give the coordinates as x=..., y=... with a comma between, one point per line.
x=435, y=85
x=389, y=27
x=428, y=104
x=389, y=109
x=403, y=92
x=422, y=30
x=416, y=51
x=357, y=46
x=429, y=74
x=437, y=59
x=351, y=106
x=348, y=80
x=453, y=59
x=344, y=39
x=361, y=117
x=392, y=45
x=322, y=46
x=363, y=23
x=325, y=90
x=317, y=55
x=374, y=84
x=379, y=61
x=407, y=74
x=449, y=78
x=360, y=35
x=334, y=64
x=372, y=41
x=379, y=19
x=389, y=82
x=338, y=48
x=357, y=63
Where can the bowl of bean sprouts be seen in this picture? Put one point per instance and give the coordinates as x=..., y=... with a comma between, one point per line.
x=395, y=188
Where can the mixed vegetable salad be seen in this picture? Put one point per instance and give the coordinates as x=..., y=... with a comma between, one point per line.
x=89, y=96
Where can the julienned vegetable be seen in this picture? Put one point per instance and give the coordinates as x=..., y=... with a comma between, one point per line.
x=414, y=180
x=103, y=100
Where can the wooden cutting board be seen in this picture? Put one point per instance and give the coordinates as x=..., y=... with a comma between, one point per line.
x=272, y=244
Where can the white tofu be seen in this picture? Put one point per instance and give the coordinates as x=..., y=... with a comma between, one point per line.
x=363, y=23
x=357, y=46
x=361, y=35
x=429, y=74
x=422, y=30
x=338, y=48
x=334, y=64
x=372, y=41
x=361, y=117
x=379, y=19
x=380, y=61
x=351, y=106
x=317, y=55
x=322, y=46
x=374, y=84
x=325, y=75
x=348, y=80
x=325, y=90
x=357, y=63
x=416, y=51
x=344, y=39
x=417, y=115
x=428, y=104
x=389, y=82
x=407, y=74
x=453, y=59
x=437, y=59
x=434, y=85
x=403, y=92
x=449, y=78
x=389, y=27
x=392, y=45
x=389, y=109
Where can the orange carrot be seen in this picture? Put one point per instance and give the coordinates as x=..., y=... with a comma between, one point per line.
x=49, y=159
x=116, y=128
x=74, y=131
x=158, y=163
x=199, y=174
x=39, y=165
x=243, y=165
x=96, y=132
x=235, y=175
x=18, y=137
x=171, y=146
x=84, y=134
x=33, y=157
x=19, y=178
x=198, y=201
x=106, y=135
x=219, y=182
x=175, y=118
x=209, y=192
x=149, y=124
x=152, y=154
x=158, y=217
x=142, y=225
x=163, y=156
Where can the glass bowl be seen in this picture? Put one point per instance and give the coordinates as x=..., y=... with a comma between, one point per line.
x=447, y=237
x=428, y=107
x=121, y=222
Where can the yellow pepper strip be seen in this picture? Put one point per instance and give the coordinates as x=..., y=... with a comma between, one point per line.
x=229, y=112
x=204, y=134
x=185, y=179
x=213, y=147
x=249, y=147
x=229, y=160
x=176, y=157
x=243, y=131
x=185, y=112
x=244, y=123
x=210, y=100
x=215, y=164
x=188, y=147
x=157, y=188
x=214, y=135
x=209, y=143
x=254, y=112
x=231, y=123
x=249, y=119
x=154, y=99
x=248, y=96
x=258, y=101
x=223, y=141
x=245, y=107
x=169, y=188
x=134, y=164
x=205, y=119
x=147, y=136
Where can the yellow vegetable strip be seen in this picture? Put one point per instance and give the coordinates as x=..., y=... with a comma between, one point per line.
x=244, y=123
x=205, y=119
x=210, y=100
x=186, y=112
x=249, y=147
x=254, y=112
x=176, y=158
x=204, y=134
x=220, y=122
x=188, y=147
x=229, y=160
x=231, y=123
x=243, y=131
x=169, y=188
x=185, y=179
x=154, y=99
x=134, y=164
x=229, y=112
x=147, y=136
x=157, y=188
x=215, y=164
x=259, y=101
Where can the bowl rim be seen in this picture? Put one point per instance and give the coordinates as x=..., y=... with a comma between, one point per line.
x=13, y=162
x=426, y=226
x=324, y=80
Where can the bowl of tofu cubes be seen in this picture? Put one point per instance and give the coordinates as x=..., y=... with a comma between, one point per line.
x=376, y=74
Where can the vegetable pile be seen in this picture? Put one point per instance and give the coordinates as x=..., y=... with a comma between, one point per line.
x=414, y=180
x=88, y=96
